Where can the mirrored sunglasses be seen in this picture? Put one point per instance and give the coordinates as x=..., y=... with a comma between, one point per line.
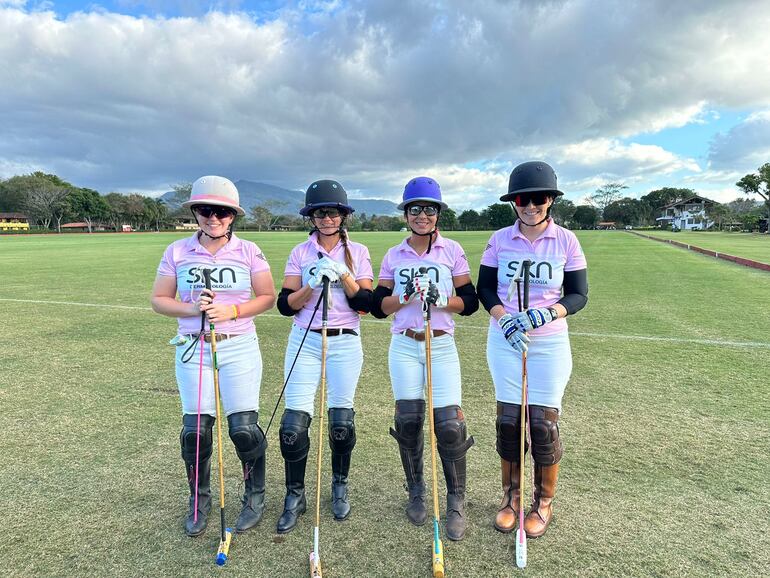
x=206, y=211
x=429, y=210
x=523, y=199
x=326, y=212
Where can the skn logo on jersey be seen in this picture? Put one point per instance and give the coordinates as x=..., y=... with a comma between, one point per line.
x=408, y=273
x=541, y=272
x=218, y=276
x=233, y=278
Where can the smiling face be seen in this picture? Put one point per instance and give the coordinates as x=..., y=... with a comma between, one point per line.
x=533, y=208
x=327, y=220
x=214, y=220
x=418, y=219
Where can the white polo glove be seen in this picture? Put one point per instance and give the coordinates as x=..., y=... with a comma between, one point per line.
x=433, y=296
x=517, y=338
x=533, y=318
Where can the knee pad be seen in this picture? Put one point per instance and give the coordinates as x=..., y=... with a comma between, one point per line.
x=247, y=436
x=295, y=441
x=451, y=433
x=547, y=448
x=342, y=430
x=189, y=433
x=409, y=419
x=508, y=426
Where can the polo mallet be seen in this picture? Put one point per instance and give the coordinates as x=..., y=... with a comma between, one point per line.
x=226, y=534
x=438, y=549
x=315, y=556
x=521, y=535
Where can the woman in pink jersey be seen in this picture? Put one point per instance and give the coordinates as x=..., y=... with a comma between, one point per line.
x=242, y=287
x=558, y=287
x=327, y=253
x=427, y=268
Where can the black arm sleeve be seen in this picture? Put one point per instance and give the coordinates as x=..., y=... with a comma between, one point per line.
x=575, y=291
x=380, y=293
x=283, y=302
x=467, y=293
x=361, y=301
x=487, y=287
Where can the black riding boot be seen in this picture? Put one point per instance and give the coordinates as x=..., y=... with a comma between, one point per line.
x=196, y=524
x=340, y=502
x=250, y=444
x=452, y=447
x=342, y=440
x=409, y=418
x=295, y=445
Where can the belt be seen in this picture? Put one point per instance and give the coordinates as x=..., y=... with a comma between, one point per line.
x=207, y=336
x=336, y=332
x=420, y=335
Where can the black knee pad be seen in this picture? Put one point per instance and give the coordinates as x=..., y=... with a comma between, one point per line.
x=547, y=448
x=508, y=428
x=342, y=430
x=409, y=419
x=451, y=433
x=247, y=436
x=189, y=433
x=295, y=441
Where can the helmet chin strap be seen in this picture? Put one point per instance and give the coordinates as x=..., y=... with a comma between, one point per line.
x=543, y=220
x=429, y=234
x=228, y=235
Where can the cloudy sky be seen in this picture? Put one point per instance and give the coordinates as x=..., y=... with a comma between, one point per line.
x=137, y=95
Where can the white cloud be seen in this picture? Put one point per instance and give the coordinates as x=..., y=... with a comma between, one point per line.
x=745, y=146
x=358, y=90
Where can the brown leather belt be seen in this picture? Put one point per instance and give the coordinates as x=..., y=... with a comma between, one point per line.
x=336, y=332
x=207, y=337
x=420, y=335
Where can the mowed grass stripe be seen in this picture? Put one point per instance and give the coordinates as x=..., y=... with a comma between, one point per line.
x=460, y=325
x=665, y=469
x=747, y=245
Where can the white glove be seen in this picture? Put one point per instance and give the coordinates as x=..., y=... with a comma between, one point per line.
x=414, y=288
x=339, y=268
x=433, y=296
x=533, y=318
x=516, y=338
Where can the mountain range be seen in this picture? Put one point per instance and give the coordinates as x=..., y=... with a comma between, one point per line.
x=282, y=201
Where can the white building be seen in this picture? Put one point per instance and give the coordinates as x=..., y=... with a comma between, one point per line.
x=687, y=215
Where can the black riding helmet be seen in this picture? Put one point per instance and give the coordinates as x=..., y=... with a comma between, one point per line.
x=532, y=177
x=325, y=193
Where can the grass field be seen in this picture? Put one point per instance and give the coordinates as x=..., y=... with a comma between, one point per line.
x=747, y=245
x=665, y=471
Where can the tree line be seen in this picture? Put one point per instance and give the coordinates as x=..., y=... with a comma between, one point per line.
x=49, y=201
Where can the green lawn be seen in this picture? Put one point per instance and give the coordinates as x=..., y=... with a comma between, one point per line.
x=747, y=245
x=666, y=419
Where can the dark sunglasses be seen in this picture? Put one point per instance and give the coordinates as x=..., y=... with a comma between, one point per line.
x=206, y=211
x=429, y=210
x=522, y=200
x=327, y=212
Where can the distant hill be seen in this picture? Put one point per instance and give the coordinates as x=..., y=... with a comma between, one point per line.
x=288, y=202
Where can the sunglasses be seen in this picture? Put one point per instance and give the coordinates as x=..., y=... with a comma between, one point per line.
x=522, y=200
x=429, y=210
x=206, y=211
x=323, y=213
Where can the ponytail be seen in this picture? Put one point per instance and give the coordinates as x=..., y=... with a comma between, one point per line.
x=348, y=255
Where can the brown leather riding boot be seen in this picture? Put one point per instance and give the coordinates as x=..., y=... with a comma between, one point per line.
x=539, y=517
x=505, y=521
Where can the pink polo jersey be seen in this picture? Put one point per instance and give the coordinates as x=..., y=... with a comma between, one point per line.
x=445, y=261
x=557, y=250
x=231, y=271
x=301, y=262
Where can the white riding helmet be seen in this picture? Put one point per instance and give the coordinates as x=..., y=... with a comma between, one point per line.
x=217, y=191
